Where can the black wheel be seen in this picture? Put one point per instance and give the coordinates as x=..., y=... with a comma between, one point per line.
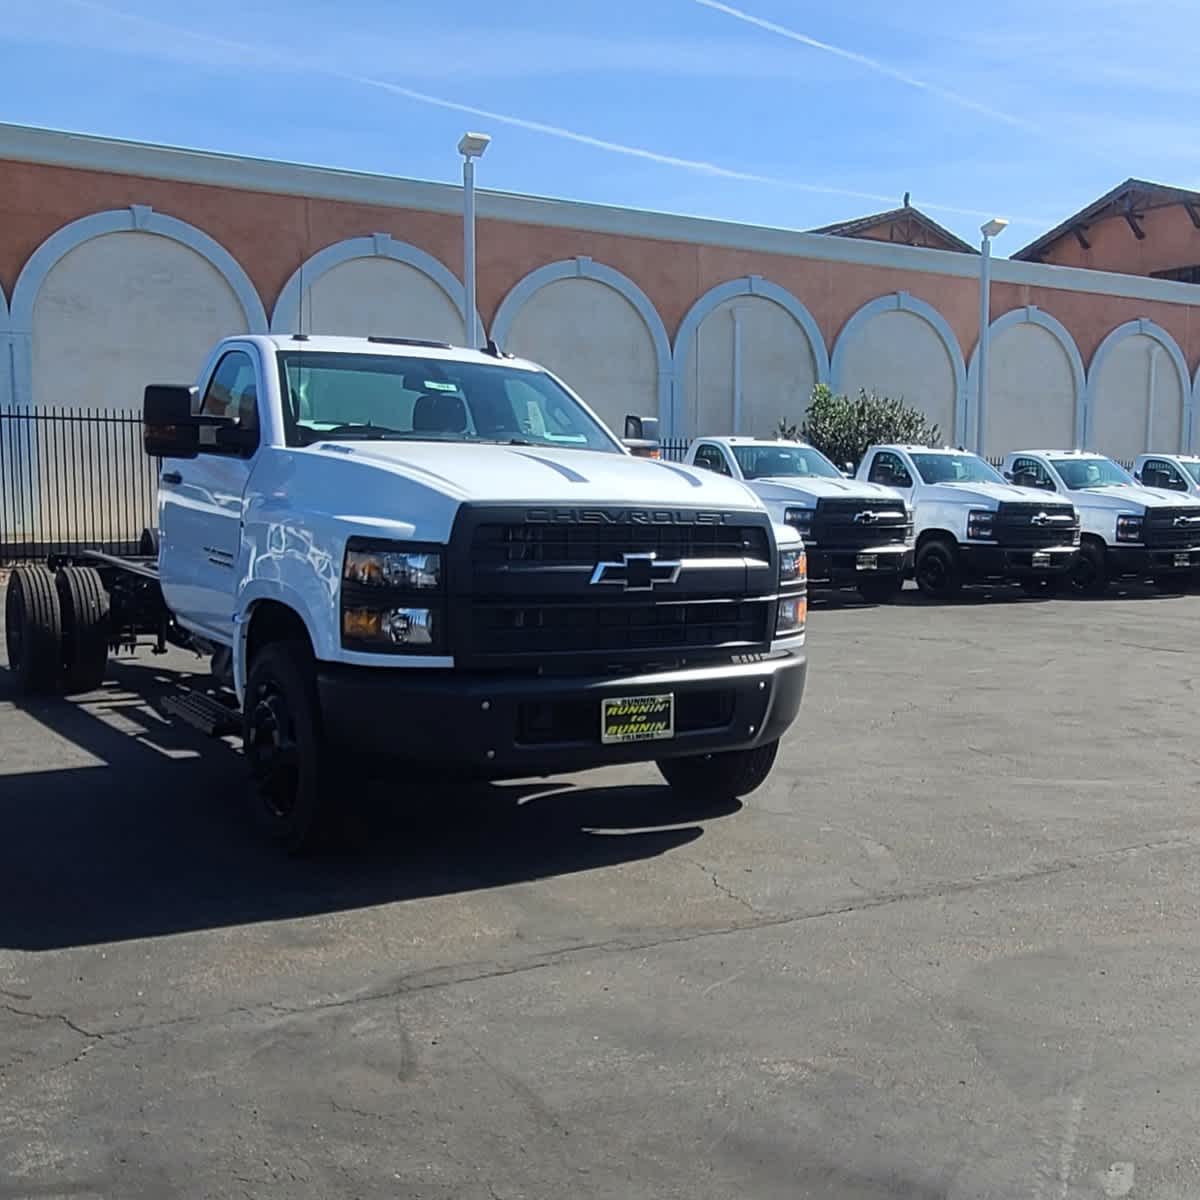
x=148, y=543
x=33, y=630
x=285, y=748
x=937, y=569
x=723, y=776
x=881, y=590
x=84, y=603
x=1089, y=575
x=1041, y=585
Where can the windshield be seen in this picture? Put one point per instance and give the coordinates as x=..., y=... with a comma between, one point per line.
x=1079, y=473
x=1193, y=469
x=333, y=396
x=778, y=462
x=955, y=468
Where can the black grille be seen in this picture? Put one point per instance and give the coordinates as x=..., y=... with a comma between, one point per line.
x=857, y=522
x=502, y=629
x=565, y=544
x=1171, y=527
x=1032, y=524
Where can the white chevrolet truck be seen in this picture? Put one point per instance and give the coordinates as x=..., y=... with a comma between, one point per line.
x=401, y=550
x=971, y=525
x=1169, y=472
x=856, y=534
x=1129, y=530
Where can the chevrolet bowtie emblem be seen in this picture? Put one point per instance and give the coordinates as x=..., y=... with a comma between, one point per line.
x=1039, y=519
x=637, y=572
x=1183, y=520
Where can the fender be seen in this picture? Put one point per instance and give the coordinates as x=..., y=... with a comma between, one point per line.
x=255, y=591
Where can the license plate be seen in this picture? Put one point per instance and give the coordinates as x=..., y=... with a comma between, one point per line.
x=637, y=718
x=1183, y=560
x=868, y=562
x=1041, y=558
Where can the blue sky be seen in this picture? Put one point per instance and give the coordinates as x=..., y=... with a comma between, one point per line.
x=777, y=112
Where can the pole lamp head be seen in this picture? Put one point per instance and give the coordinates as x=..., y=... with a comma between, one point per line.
x=992, y=228
x=472, y=145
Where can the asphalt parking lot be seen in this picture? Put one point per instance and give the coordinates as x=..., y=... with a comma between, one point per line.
x=949, y=950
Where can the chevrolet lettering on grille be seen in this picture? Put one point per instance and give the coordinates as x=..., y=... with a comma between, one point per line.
x=637, y=572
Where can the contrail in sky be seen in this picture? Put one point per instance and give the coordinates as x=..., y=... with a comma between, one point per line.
x=871, y=64
x=698, y=166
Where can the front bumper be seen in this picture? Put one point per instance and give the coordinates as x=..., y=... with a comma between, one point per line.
x=1146, y=560
x=849, y=567
x=1015, y=562
x=534, y=725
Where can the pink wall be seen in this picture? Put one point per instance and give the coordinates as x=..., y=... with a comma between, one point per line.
x=1171, y=241
x=271, y=234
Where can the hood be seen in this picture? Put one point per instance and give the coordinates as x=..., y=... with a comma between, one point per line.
x=989, y=493
x=794, y=488
x=1123, y=496
x=535, y=475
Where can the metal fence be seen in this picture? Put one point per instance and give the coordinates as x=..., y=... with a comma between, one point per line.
x=71, y=478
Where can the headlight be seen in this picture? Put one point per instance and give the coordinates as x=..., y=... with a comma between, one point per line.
x=397, y=627
x=407, y=570
x=800, y=519
x=793, y=567
x=979, y=524
x=391, y=601
x=1129, y=528
x=791, y=615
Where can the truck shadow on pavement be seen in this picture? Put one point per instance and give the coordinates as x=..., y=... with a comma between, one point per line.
x=150, y=833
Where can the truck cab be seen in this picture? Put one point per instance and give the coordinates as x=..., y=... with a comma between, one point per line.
x=970, y=524
x=1128, y=530
x=409, y=553
x=856, y=534
x=1169, y=472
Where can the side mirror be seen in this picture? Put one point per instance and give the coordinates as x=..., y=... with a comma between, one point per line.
x=641, y=436
x=171, y=428
x=1009, y=476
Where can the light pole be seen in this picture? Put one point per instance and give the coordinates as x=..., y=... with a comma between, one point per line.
x=991, y=229
x=471, y=146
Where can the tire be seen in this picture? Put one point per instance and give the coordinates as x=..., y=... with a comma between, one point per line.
x=1089, y=575
x=85, y=624
x=882, y=590
x=285, y=747
x=148, y=544
x=938, y=573
x=726, y=776
x=33, y=631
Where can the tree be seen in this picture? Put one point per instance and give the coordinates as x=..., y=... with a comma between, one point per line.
x=842, y=428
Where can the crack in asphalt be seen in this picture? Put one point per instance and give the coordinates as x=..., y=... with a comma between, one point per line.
x=725, y=889
x=437, y=978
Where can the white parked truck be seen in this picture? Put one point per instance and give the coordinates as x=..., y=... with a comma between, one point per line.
x=856, y=534
x=402, y=550
x=970, y=525
x=1129, y=531
x=1169, y=472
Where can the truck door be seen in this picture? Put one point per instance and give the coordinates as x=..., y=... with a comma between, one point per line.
x=200, y=506
x=889, y=469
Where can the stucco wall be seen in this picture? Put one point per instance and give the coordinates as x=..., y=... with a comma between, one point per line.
x=1122, y=398
x=1031, y=392
x=125, y=308
x=593, y=338
x=1171, y=241
x=380, y=297
x=899, y=354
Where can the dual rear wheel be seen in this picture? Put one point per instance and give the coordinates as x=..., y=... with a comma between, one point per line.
x=56, y=626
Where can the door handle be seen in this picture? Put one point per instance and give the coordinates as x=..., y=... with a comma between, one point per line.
x=172, y=477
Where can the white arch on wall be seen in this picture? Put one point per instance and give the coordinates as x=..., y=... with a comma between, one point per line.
x=583, y=267
x=6, y=360
x=747, y=285
x=904, y=302
x=1030, y=314
x=285, y=317
x=1141, y=325
x=138, y=218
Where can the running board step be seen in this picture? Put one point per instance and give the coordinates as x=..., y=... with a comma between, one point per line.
x=202, y=712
